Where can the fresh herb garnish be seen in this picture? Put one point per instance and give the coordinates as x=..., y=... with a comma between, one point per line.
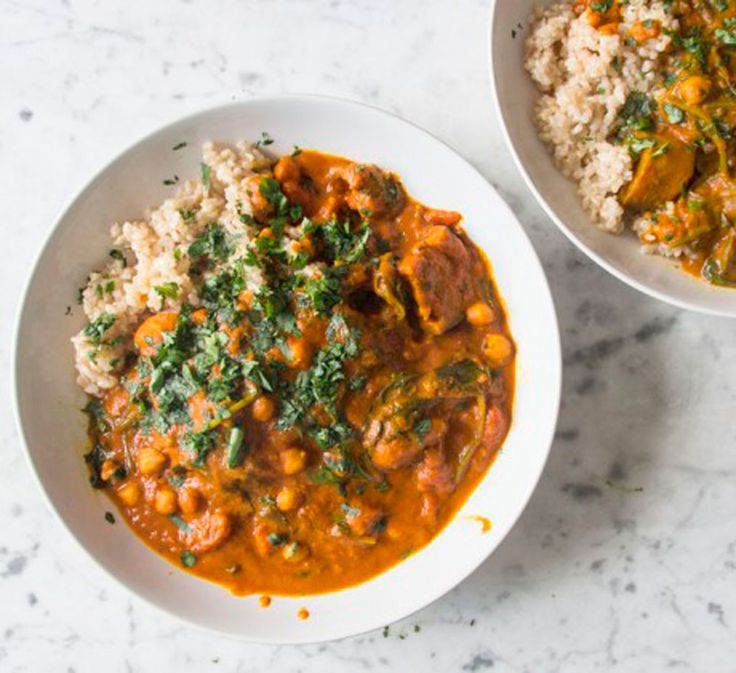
x=167, y=290
x=422, y=427
x=265, y=140
x=602, y=6
x=674, y=114
x=726, y=37
x=188, y=559
x=97, y=328
x=206, y=174
x=213, y=242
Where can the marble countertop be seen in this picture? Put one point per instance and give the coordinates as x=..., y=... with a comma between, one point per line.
x=625, y=558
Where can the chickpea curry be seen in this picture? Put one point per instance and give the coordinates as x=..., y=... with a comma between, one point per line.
x=682, y=135
x=306, y=434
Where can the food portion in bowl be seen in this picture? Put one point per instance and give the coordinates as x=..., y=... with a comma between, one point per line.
x=638, y=107
x=296, y=373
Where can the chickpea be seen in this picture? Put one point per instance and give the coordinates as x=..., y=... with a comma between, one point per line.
x=480, y=313
x=130, y=493
x=498, y=350
x=164, y=502
x=695, y=89
x=189, y=500
x=293, y=460
x=199, y=316
x=150, y=461
x=393, y=532
x=108, y=469
x=301, y=352
x=595, y=19
x=150, y=331
x=263, y=408
x=288, y=498
x=645, y=30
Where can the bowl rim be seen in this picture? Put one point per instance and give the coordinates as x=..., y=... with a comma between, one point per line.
x=559, y=222
x=555, y=364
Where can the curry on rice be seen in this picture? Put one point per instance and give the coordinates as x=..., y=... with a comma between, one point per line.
x=296, y=373
x=644, y=92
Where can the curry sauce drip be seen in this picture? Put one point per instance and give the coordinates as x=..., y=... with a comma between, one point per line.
x=308, y=434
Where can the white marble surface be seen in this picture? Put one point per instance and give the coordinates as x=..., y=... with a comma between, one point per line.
x=625, y=558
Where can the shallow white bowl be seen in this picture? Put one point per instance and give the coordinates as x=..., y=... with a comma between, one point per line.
x=515, y=95
x=48, y=401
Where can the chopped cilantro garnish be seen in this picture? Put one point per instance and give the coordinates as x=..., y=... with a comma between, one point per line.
x=602, y=6
x=422, y=427
x=270, y=190
x=188, y=559
x=206, y=175
x=265, y=140
x=96, y=329
x=167, y=290
x=213, y=242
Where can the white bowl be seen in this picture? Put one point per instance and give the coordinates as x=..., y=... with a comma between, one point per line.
x=515, y=95
x=48, y=401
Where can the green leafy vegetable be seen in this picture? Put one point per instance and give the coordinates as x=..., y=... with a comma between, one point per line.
x=235, y=448
x=182, y=525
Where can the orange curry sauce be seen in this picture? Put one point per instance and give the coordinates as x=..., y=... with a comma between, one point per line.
x=682, y=135
x=350, y=443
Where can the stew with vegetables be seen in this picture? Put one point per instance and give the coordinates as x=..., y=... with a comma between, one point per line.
x=682, y=135
x=305, y=432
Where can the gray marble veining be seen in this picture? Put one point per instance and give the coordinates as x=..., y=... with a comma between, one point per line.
x=625, y=559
